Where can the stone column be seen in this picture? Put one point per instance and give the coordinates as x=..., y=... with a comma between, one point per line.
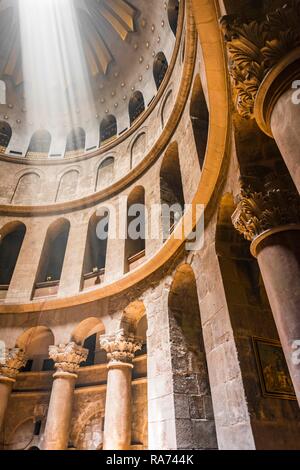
x=11, y=361
x=264, y=58
x=270, y=219
x=67, y=359
x=120, y=348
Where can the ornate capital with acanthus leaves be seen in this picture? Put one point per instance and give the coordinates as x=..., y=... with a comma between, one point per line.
x=68, y=357
x=263, y=209
x=11, y=361
x=255, y=47
x=120, y=347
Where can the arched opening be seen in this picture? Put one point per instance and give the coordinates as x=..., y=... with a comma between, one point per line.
x=40, y=143
x=189, y=361
x=141, y=332
x=173, y=13
x=22, y=436
x=11, y=239
x=171, y=191
x=76, y=141
x=136, y=106
x=108, y=128
x=200, y=119
x=87, y=334
x=36, y=342
x=95, y=251
x=5, y=135
x=52, y=259
x=166, y=108
x=138, y=150
x=68, y=186
x=135, y=240
x=28, y=187
x=105, y=173
x=160, y=67
x=2, y=92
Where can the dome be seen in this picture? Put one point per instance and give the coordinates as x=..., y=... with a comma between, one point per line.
x=123, y=49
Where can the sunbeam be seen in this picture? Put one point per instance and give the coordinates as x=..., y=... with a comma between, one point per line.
x=56, y=79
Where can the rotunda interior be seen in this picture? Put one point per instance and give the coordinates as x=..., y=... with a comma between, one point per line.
x=149, y=222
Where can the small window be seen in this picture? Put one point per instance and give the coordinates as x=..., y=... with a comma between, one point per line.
x=37, y=428
x=136, y=106
x=108, y=128
x=160, y=68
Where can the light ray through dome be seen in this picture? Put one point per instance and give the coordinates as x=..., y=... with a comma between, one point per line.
x=56, y=79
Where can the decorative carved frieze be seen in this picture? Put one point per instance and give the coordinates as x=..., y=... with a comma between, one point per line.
x=265, y=209
x=120, y=347
x=255, y=47
x=68, y=357
x=11, y=361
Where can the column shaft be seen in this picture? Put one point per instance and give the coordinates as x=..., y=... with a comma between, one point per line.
x=285, y=125
x=278, y=257
x=59, y=416
x=120, y=348
x=117, y=429
x=6, y=385
x=67, y=359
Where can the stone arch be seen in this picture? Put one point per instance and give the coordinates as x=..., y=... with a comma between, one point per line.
x=11, y=239
x=105, y=173
x=22, y=435
x=137, y=151
x=28, y=186
x=160, y=67
x=136, y=106
x=132, y=316
x=35, y=342
x=96, y=248
x=68, y=185
x=135, y=243
x=86, y=328
x=171, y=190
x=188, y=358
x=134, y=320
x=87, y=334
x=53, y=253
x=108, y=128
x=166, y=108
x=200, y=119
x=91, y=410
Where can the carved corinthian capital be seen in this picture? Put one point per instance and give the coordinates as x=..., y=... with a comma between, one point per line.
x=11, y=361
x=120, y=347
x=255, y=47
x=266, y=209
x=68, y=357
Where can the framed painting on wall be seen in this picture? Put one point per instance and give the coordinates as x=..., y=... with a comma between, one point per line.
x=272, y=368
